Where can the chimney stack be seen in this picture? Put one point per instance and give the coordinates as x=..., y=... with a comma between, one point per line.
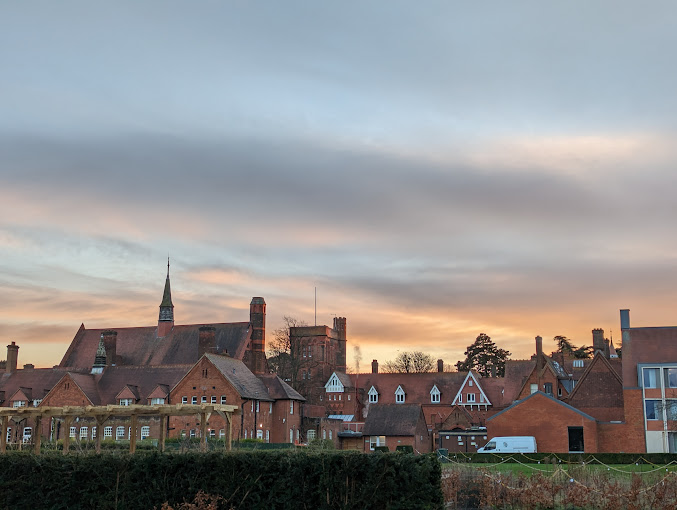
x=440, y=365
x=110, y=340
x=374, y=367
x=29, y=366
x=625, y=319
x=340, y=327
x=257, y=320
x=539, y=352
x=12, y=357
x=598, y=340
x=207, y=340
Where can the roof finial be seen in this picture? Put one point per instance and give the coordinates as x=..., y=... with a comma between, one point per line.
x=167, y=266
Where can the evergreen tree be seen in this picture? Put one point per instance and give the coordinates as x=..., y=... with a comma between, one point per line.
x=485, y=357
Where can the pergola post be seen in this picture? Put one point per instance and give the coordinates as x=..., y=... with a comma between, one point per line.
x=132, y=435
x=229, y=431
x=163, y=432
x=67, y=433
x=100, y=420
x=37, y=435
x=203, y=432
x=3, y=432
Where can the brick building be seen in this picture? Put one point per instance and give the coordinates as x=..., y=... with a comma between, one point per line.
x=162, y=364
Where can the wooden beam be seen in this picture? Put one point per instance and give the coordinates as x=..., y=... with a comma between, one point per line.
x=67, y=433
x=229, y=432
x=37, y=435
x=132, y=435
x=3, y=432
x=163, y=432
x=203, y=432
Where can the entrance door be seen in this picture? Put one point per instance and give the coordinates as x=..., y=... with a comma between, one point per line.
x=575, y=439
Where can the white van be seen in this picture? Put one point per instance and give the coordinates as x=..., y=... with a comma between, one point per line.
x=512, y=444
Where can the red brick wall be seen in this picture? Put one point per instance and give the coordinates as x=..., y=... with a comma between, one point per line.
x=215, y=384
x=547, y=421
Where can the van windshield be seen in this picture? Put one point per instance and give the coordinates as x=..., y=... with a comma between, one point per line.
x=491, y=445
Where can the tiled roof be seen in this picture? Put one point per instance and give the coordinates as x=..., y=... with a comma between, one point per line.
x=40, y=380
x=278, y=389
x=416, y=386
x=146, y=379
x=392, y=420
x=516, y=374
x=142, y=347
x=245, y=382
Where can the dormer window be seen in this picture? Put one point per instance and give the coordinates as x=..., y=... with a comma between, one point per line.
x=399, y=395
x=126, y=401
x=435, y=395
x=19, y=403
x=373, y=396
x=578, y=363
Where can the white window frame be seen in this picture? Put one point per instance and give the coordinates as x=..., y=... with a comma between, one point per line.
x=72, y=432
x=310, y=435
x=19, y=403
x=470, y=398
x=376, y=441
x=435, y=395
x=27, y=434
x=184, y=400
x=126, y=401
x=213, y=399
x=84, y=431
x=291, y=407
x=157, y=401
x=119, y=433
x=194, y=400
x=204, y=399
x=400, y=395
x=259, y=434
x=108, y=431
x=145, y=432
x=223, y=399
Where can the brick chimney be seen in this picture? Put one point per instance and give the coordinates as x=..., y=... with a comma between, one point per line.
x=29, y=366
x=257, y=320
x=12, y=357
x=109, y=338
x=598, y=343
x=539, y=352
x=340, y=327
x=207, y=340
x=440, y=365
x=374, y=367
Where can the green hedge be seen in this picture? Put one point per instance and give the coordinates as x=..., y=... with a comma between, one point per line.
x=604, y=458
x=256, y=480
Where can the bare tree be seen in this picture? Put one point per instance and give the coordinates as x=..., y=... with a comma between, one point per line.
x=409, y=362
x=284, y=358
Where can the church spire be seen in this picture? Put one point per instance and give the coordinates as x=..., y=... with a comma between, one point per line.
x=166, y=319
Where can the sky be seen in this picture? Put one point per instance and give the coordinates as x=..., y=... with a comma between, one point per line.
x=436, y=169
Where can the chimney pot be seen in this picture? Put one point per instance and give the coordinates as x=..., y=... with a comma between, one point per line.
x=440, y=365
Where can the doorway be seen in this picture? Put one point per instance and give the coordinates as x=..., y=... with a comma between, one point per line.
x=576, y=444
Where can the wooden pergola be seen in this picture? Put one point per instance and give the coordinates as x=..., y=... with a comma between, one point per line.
x=102, y=413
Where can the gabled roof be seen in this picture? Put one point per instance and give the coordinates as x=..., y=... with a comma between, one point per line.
x=516, y=374
x=40, y=380
x=597, y=359
x=342, y=377
x=558, y=402
x=22, y=394
x=416, y=386
x=160, y=391
x=476, y=379
x=142, y=347
x=146, y=380
x=243, y=380
x=278, y=389
x=392, y=420
x=129, y=391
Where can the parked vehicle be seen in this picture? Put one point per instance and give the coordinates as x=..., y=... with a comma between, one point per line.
x=512, y=444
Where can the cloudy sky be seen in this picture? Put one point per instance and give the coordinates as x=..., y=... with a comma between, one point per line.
x=435, y=169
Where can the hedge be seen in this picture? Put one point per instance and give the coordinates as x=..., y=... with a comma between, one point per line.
x=256, y=479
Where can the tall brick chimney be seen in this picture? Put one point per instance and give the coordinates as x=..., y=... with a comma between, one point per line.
x=374, y=367
x=440, y=365
x=207, y=340
x=340, y=327
x=598, y=343
x=257, y=319
x=12, y=358
x=539, y=352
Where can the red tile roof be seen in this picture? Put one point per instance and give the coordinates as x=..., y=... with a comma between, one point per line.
x=142, y=347
x=40, y=380
x=392, y=420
